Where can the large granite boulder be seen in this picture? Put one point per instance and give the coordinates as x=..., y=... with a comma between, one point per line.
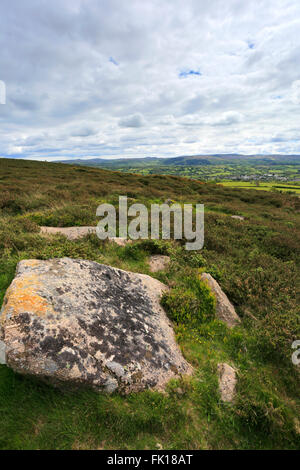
x=79, y=322
x=224, y=308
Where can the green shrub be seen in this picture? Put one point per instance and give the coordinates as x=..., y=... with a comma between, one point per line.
x=191, y=303
x=133, y=252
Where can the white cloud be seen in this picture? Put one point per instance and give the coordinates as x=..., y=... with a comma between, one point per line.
x=295, y=92
x=86, y=78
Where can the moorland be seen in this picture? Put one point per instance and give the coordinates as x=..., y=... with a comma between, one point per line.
x=256, y=261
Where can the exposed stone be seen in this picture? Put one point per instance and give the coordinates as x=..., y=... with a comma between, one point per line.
x=227, y=382
x=110, y=385
x=224, y=308
x=80, y=322
x=116, y=368
x=158, y=263
x=120, y=241
x=238, y=217
x=2, y=353
x=72, y=233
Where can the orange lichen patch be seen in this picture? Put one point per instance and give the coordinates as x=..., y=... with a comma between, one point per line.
x=22, y=297
x=31, y=263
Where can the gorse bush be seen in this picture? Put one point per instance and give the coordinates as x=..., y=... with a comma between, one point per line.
x=190, y=302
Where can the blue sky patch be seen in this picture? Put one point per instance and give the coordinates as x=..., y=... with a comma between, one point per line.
x=186, y=73
x=113, y=61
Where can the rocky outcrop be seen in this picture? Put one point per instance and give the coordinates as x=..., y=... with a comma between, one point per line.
x=227, y=382
x=224, y=309
x=238, y=217
x=158, y=263
x=79, y=322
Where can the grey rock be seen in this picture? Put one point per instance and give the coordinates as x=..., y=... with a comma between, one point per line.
x=110, y=385
x=72, y=233
x=75, y=233
x=224, y=308
x=77, y=322
x=50, y=365
x=2, y=353
x=238, y=217
x=227, y=382
x=158, y=263
x=120, y=240
x=116, y=368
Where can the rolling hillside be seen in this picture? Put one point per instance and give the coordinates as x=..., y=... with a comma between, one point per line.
x=256, y=261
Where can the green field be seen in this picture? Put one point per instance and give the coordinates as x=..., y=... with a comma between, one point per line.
x=256, y=263
x=291, y=187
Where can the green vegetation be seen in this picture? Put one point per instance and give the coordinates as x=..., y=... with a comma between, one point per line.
x=280, y=187
x=256, y=263
x=270, y=172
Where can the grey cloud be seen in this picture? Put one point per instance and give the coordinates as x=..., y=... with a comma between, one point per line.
x=83, y=132
x=226, y=119
x=65, y=95
x=136, y=120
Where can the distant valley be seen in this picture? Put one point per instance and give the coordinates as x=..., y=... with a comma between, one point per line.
x=265, y=172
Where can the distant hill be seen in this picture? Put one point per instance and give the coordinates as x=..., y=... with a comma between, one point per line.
x=190, y=160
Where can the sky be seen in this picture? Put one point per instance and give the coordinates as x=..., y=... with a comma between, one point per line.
x=116, y=78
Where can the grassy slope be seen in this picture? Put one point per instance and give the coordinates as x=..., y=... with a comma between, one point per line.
x=256, y=263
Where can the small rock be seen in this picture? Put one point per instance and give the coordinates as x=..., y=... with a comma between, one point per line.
x=75, y=233
x=72, y=233
x=111, y=385
x=224, y=308
x=227, y=382
x=2, y=353
x=120, y=241
x=158, y=263
x=238, y=217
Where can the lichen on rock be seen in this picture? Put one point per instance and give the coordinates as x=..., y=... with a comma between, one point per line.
x=79, y=322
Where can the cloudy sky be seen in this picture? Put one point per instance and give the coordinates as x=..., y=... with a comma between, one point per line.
x=102, y=78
